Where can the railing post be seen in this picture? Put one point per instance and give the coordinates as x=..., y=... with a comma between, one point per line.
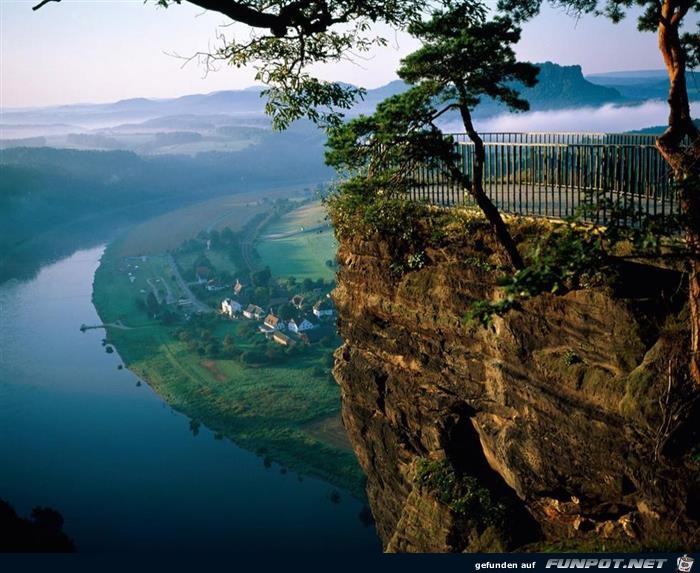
x=604, y=178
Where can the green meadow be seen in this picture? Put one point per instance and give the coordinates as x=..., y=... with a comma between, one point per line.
x=299, y=244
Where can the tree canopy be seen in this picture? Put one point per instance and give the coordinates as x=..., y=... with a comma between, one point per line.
x=289, y=36
x=464, y=57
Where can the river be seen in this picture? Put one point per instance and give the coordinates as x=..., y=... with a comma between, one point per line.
x=125, y=470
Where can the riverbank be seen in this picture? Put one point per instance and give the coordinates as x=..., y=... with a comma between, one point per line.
x=128, y=473
x=286, y=408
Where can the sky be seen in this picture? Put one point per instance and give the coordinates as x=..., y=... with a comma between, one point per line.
x=107, y=50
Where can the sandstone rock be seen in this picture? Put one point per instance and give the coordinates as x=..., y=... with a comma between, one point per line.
x=556, y=441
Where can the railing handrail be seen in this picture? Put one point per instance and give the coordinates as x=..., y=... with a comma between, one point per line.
x=531, y=144
x=579, y=133
x=553, y=174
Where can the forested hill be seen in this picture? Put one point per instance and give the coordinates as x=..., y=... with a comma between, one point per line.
x=56, y=200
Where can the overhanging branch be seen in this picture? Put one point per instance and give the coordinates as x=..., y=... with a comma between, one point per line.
x=40, y=4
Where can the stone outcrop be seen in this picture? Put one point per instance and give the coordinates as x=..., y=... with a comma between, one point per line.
x=572, y=411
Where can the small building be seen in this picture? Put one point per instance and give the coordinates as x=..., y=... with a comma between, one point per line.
x=294, y=326
x=273, y=322
x=298, y=301
x=324, y=307
x=214, y=286
x=282, y=339
x=230, y=307
x=238, y=287
x=254, y=312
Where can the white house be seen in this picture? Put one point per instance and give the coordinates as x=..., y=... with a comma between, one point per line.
x=230, y=307
x=323, y=307
x=253, y=311
x=293, y=326
x=273, y=322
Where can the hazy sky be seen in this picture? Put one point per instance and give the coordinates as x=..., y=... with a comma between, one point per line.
x=105, y=50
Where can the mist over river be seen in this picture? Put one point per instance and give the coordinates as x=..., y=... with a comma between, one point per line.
x=127, y=473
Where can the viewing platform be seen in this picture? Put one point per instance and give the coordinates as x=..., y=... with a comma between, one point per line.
x=556, y=175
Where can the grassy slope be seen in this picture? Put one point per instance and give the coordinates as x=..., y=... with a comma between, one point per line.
x=298, y=253
x=272, y=408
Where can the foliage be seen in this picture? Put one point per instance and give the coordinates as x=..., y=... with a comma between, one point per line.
x=463, y=494
x=646, y=233
x=415, y=261
x=566, y=258
x=467, y=56
x=464, y=57
x=570, y=358
x=615, y=10
x=366, y=206
x=356, y=211
x=287, y=37
x=41, y=532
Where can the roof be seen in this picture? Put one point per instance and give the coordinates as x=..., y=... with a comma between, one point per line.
x=272, y=320
x=279, y=337
x=255, y=309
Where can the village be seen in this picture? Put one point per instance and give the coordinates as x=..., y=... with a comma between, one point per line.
x=277, y=329
x=189, y=287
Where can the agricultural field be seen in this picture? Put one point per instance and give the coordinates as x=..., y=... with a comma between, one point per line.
x=300, y=244
x=169, y=230
x=280, y=402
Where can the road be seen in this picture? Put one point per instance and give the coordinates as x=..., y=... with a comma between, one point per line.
x=197, y=305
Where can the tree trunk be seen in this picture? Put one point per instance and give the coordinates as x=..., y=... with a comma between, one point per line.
x=493, y=215
x=683, y=160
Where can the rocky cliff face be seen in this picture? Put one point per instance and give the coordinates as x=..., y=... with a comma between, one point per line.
x=563, y=424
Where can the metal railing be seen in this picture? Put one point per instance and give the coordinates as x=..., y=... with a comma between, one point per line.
x=556, y=174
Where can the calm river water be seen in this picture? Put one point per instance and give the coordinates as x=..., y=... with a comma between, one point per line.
x=126, y=472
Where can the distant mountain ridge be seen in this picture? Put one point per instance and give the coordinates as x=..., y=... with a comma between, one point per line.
x=642, y=85
x=230, y=121
x=559, y=87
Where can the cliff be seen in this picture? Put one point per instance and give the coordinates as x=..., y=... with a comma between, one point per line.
x=566, y=423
